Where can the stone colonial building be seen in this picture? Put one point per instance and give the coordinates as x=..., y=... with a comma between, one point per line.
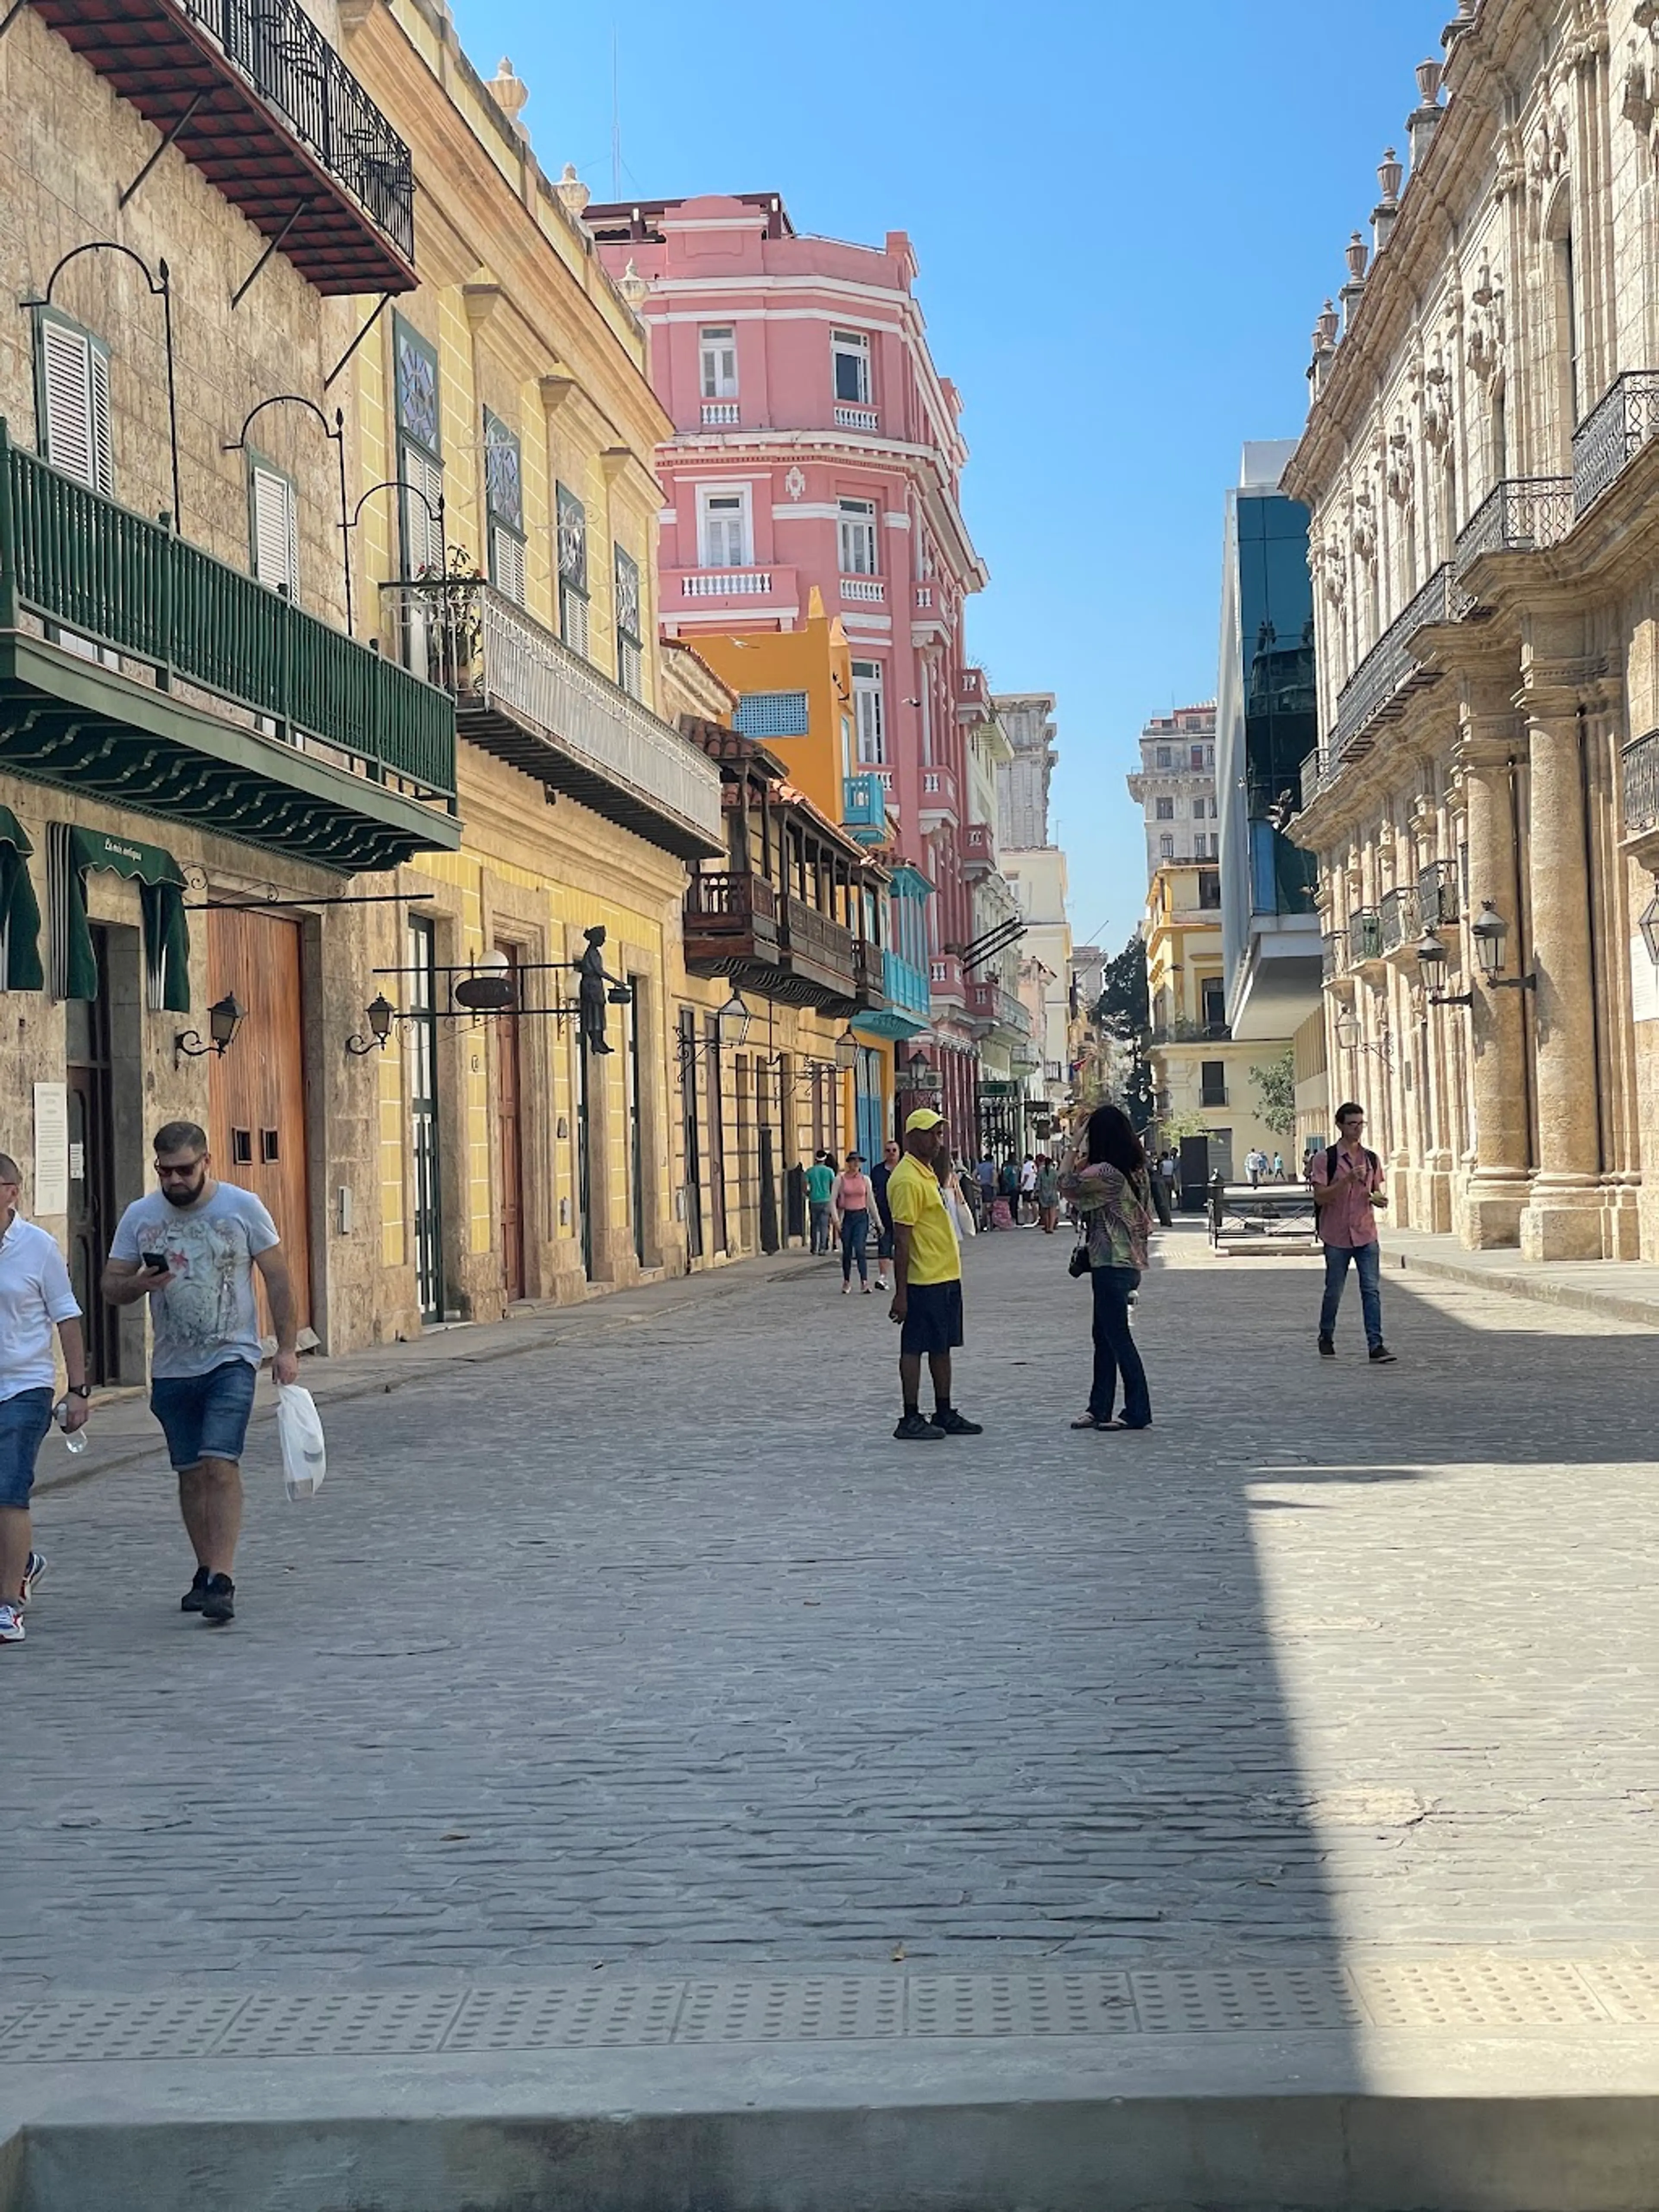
x=1480, y=461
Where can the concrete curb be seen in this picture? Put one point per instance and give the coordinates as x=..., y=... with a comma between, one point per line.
x=1544, y=1290
x=1524, y=2122
x=381, y=1369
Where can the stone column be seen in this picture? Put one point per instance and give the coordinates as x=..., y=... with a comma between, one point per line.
x=1497, y=1186
x=1561, y=1219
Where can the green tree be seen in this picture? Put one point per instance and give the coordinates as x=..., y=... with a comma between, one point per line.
x=1275, y=1087
x=1123, y=1011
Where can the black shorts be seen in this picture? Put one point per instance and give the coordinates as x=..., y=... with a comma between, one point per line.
x=933, y=1319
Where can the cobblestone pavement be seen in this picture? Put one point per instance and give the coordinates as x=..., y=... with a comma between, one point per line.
x=658, y=1650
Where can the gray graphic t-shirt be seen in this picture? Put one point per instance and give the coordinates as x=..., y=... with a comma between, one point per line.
x=207, y=1315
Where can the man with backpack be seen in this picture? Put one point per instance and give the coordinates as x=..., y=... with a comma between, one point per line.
x=1348, y=1184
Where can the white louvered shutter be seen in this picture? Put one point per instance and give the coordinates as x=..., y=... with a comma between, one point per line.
x=75, y=385
x=422, y=532
x=507, y=564
x=275, y=532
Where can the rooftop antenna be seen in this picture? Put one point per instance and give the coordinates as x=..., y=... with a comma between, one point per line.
x=615, y=122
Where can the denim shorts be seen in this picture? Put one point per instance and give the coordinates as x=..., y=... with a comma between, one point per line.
x=24, y=1421
x=205, y=1416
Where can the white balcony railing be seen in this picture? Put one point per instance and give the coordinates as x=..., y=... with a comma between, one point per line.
x=486, y=649
x=737, y=584
x=719, y=414
x=871, y=591
x=856, y=418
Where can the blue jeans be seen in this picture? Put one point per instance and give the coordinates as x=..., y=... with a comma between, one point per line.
x=820, y=1225
x=24, y=1419
x=854, y=1236
x=1368, y=1265
x=1115, y=1351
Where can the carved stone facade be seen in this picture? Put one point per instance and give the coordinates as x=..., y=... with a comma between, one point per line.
x=1482, y=460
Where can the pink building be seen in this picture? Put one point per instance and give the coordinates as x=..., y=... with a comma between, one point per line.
x=816, y=444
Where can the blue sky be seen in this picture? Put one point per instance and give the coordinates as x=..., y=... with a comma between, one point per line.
x=1127, y=219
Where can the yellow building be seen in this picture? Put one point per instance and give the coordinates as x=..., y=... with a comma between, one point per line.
x=505, y=553
x=1202, y=1078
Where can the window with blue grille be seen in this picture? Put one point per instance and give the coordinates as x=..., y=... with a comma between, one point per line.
x=773, y=714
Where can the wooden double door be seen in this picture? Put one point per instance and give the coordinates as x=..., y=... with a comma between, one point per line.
x=257, y=1091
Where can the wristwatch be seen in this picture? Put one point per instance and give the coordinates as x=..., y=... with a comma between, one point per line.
x=78, y=1390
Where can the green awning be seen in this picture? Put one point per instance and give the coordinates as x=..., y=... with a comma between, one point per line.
x=161, y=882
x=20, y=909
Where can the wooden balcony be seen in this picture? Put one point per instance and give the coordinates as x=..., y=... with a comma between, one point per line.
x=772, y=943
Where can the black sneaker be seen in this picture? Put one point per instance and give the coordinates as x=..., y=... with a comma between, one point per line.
x=1381, y=1356
x=1327, y=1349
x=219, y=1600
x=917, y=1428
x=950, y=1424
x=192, y=1600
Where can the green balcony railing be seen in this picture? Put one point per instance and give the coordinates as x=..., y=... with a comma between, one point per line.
x=84, y=563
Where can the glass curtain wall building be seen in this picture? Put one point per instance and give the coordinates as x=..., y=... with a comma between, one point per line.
x=1266, y=725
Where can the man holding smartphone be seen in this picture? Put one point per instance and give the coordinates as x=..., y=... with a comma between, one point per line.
x=191, y=1249
x=1347, y=1185
x=34, y=1297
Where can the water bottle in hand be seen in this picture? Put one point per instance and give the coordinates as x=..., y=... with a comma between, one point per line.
x=75, y=1441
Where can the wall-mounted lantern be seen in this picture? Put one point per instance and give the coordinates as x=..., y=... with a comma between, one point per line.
x=224, y=1019
x=380, y=1014
x=1491, y=933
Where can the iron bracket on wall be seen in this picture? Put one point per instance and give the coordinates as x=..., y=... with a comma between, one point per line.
x=384, y=302
x=273, y=246
x=196, y=101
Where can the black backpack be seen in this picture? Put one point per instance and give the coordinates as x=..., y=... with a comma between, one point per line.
x=1371, y=1160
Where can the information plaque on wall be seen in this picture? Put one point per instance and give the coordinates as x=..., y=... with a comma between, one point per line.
x=51, y=1161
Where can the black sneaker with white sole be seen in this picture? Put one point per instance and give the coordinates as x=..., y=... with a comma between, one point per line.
x=219, y=1600
x=917, y=1428
x=192, y=1600
x=1381, y=1356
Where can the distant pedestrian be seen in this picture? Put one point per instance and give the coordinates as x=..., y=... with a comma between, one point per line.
x=850, y=1202
x=1107, y=1180
x=878, y=1177
x=191, y=1249
x=35, y=1297
x=926, y=1284
x=1008, y=1189
x=1028, y=1199
x=1255, y=1166
x=985, y=1174
x=820, y=1182
x=1048, y=1195
x=1278, y=1167
x=1348, y=1187
x=961, y=1213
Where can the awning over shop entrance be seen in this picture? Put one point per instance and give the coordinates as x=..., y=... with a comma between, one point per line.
x=160, y=882
x=20, y=909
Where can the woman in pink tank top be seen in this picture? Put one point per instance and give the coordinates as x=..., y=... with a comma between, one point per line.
x=849, y=1205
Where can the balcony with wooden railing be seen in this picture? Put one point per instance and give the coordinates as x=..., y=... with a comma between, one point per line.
x=137, y=667
x=254, y=96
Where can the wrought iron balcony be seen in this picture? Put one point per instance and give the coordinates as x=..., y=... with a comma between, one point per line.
x=522, y=695
x=1639, y=763
x=1391, y=670
x=255, y=97
x=1398, y=918
x=249, y=716
x=1522, y=515
x=1613, y=434
x=1364, y=935
x=1439, y=904
x=1184, y=1030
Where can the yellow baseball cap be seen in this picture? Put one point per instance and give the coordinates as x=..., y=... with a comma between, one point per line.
x=923, y=1118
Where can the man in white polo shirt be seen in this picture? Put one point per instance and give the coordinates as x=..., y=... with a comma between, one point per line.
x=34, y=1293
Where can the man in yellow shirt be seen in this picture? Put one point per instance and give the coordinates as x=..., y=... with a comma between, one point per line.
x=926, y=1283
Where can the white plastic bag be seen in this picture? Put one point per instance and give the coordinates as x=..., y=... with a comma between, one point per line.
x=300, y=1434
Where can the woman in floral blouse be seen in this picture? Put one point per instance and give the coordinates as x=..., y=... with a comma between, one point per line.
x=1106, y=1180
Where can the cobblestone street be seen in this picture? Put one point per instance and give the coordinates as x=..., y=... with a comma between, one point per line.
x=658, y=1649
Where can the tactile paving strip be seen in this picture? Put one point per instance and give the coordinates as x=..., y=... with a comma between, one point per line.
x=1431, y=1995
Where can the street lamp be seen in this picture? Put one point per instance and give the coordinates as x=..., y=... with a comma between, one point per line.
x=1431, y=972
x=733, y=1022
x=1648, y=924
x=1347, y=1031
x=1491, y=932
x=224, y=1019
x=847, y=1048
x=380, y=1014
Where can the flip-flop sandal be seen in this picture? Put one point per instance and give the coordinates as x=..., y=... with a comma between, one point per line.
x=1087, y=1422
x=1112, y=1424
